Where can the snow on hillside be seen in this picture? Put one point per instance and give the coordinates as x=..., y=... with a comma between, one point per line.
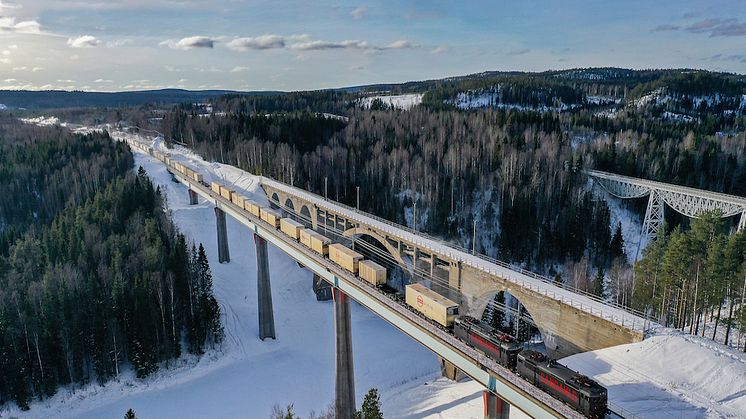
x=403, y=102
x=670, y=375
x=491, y=98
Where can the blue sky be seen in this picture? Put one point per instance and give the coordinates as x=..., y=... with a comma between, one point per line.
x=298, y=45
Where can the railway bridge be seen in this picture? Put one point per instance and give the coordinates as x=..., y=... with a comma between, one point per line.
x=570, y=320
x=690, y=202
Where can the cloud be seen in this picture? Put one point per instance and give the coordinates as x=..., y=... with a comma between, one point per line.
x=400, y=44
x=718, y=27
x=239, y=69
x=9, y=24
x=666, y=28
x=4, y=5
x=190, y=42
x=5, y=60
x=118, y=43
x=359, y=12
x=322, y=45
x=35, y=69
x=85, y=41
x=103, y=81
x=257, y=43
x=519, y=51
x=440, y=49
x=357, y=67
x=741, y=58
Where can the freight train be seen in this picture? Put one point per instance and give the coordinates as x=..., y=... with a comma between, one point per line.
x=576, y=390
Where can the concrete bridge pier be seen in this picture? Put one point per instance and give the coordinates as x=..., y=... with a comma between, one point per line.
x=192, y=197
x=495, y=407
x=345, y=386
x=264, y=290
x=223, y=253
x=450, y=371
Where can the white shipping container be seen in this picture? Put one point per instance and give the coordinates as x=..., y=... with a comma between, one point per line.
x=347, y=258
x=372, y=272
x=433, y=305
x=291, y=227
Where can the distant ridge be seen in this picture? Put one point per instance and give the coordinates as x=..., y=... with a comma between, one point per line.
x=31, y=99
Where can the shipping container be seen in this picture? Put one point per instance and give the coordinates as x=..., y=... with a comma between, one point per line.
x=320, y=244
x=271, y=216
x=252, y=207
x=215, y=187
x=226, y=193
x=372, y=272
x=237, y=199
x=305, y=237
x=433, y=305
x=198, y=177
x=347, y=258
x=291, y=227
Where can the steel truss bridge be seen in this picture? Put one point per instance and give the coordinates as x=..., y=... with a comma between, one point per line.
x=690, y=202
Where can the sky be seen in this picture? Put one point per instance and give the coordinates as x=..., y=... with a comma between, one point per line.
x=105, y=45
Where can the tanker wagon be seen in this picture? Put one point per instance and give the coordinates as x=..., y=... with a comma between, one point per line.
x=291, y=227
x=347, y=258
x=270, y=216
x=433, y=305
x=372, y=272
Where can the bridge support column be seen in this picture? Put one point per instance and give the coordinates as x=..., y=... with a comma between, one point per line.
x=223, y=253
x=653, y=215
x=192, y=197
x=450, y=371
x=345, y=385
x=742, y=223
x=264, y=290
x=495, y=407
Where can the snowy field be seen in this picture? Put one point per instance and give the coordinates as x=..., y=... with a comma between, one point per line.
x=403, y=102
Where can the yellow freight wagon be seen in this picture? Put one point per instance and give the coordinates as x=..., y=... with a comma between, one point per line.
x=433, y=305
x=215, y=187
x=226, y=193
x=198, y=177
x=372, y=272
x=252, y=207
x=271, y=216
x=320, y=244
x=347, y=258
x=305, y=237
x=238, y=200
x=291, y=227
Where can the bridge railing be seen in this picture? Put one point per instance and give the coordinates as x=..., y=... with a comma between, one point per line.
x=629, y=317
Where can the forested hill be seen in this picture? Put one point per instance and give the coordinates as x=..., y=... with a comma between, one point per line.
x=94, y=277
x=502, y=150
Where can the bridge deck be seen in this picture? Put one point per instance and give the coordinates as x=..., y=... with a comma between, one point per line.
x=587, y=303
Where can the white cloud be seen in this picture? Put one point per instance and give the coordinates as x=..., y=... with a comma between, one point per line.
x=172, y=69
x=103, y=81
x=20, y=68
x=118, y=43
x=11, y=80
x=5, y=60
x=239, y=69
x=6, y=52
x=191, y=42
x=440, y=49
x=260, y=42
x=9, y=24
x=359, y=12
x=35, y=69
x=322, y=45
x=4, y=5
x=85, y=41
x=400, y=44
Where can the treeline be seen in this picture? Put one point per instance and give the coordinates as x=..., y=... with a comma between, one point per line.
x=459, y=167
x=107, y=283
x=43, y=169
x=695, y=277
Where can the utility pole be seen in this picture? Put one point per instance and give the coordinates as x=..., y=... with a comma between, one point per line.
x=357, y=188
x=326, y=181
x=474, y=239
x=414, y=216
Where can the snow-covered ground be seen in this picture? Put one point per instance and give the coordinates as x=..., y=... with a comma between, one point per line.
x=670, y=375
x=403, y=102
x=246, y=377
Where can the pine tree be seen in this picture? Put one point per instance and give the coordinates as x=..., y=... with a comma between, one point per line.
x=616, y=247
x=598, y=284
x=130, y=414
x=371, y=408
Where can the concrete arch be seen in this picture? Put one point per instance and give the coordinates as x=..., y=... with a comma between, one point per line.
x=481, y=303
x=275, y=198
x=358, y=231
x=289, y=204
